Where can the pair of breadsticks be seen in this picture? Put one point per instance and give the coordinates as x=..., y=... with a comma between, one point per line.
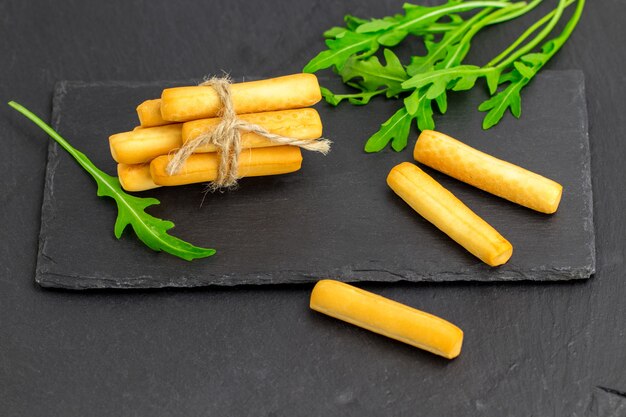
x=278, y=105
x=448, y=213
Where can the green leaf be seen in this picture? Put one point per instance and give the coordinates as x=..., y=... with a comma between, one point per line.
x=419, y=106
x=353, y=22
x=425, y=119
x=498, y=104
x=340, y=49
x=392, y=38
x=357, y=99
x=150, y=230
x=334, y=32
x=397, y=128
x=443, y=76
x=534, y=59
x=442, y=102
x=372, y=75
x=525, y=70
x=375, y=25
x=493, y=79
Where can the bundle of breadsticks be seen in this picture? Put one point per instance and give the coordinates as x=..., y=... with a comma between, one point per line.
x=266, y=113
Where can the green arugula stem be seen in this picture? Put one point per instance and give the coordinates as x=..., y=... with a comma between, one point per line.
x=558, y=12
x=76, y=154
x=463, y=30
x=517, y=13
x=454, y=8
x=482, y=22
x=525, y=35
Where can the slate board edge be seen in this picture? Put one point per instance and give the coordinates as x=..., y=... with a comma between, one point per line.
x=43, y=261
x=46, y=278
x=54, y=280
x=587, y=186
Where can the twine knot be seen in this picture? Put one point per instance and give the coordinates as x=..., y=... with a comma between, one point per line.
x=226, y=137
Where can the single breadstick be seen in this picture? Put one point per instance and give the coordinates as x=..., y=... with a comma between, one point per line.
x=298, y=123
x=389, y=318
x=143, y=145
x=203, y=167
x=486, y=172
x=149, y=113
x=135, y=177
x=440, y=207
x=181, y=104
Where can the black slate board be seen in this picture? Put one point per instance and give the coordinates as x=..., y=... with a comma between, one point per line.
x=334, y=218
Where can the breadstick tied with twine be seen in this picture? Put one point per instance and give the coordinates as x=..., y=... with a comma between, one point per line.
x=441, y=208
x=295, y=91
x=296, y=123
x=204, y=167
x=498, y=177
x=149, y=113
x=145, y=144
x=135, y=177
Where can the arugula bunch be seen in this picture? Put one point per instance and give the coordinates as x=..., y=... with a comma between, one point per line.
x=447, y=34
x=151, y=230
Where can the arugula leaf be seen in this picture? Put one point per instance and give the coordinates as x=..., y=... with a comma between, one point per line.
x=357, y=99
x=420, y=107
x=464, y=76
x=150, y=230
x=340, y=49
x=524, y=70
x=395, y=129
x=373, y=75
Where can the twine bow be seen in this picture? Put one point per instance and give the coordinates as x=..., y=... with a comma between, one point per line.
x=226, y=137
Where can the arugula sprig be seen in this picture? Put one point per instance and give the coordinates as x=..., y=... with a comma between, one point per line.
x=524, y=69
x=363, y=38
x=426, y=79
x=151, y=230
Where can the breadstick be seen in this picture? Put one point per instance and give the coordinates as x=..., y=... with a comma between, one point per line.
x=143, y=145
x=182, y=104
x=149, y=113
x=135, y=177
x=486, y=172
x=202, y=167
x=440, y=207
x=389, y=318
x=298, y=123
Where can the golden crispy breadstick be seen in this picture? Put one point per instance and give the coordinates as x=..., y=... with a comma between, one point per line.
x=389, y=318
x=297, y=123
x=143, y=145
x=182, y=104
x=440, y=207
x=202, y=167
x=486, y=172
x=149, y=113
x=135, y=177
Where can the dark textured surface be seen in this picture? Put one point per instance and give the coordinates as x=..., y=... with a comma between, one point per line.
x=531, y=349
x=334, y=218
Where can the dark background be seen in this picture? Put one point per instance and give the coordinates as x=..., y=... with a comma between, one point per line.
x=550, y=349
